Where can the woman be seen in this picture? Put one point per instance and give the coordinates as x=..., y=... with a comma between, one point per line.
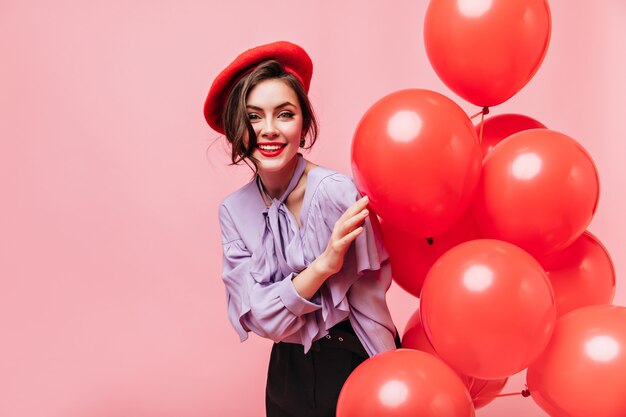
x=303, y=262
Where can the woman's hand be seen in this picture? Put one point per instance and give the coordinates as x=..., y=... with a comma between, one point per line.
x=346, y=229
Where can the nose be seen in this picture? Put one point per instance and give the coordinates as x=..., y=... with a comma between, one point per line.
x=269, y=129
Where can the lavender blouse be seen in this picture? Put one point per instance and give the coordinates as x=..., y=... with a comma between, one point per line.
x=263, y=249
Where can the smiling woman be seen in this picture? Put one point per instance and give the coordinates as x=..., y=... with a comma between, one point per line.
x=255, y=93
x=303, y=261
x=277, y=126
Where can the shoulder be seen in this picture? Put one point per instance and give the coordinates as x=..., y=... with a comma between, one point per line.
x=239, y=212
x=240, y=198
x=330, y=182
x=333, y=192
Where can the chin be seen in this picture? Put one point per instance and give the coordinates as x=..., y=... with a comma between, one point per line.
x=272, y=166
x=278, y=162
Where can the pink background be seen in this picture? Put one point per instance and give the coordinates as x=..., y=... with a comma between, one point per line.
x=111, y=302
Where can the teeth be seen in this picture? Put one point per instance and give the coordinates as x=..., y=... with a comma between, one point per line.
x=270, y=147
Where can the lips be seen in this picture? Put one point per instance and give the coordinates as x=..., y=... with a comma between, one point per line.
x=273, y=152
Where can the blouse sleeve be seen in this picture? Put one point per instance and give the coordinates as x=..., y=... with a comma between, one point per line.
x=334, y=197
x=273, y=310
x=359, y=288
x=366, y=295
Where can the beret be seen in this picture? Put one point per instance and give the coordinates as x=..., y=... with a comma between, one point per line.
x=292, y=57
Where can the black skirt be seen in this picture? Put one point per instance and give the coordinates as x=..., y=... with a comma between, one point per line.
x=300, y=385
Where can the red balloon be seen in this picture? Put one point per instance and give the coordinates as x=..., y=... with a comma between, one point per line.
x=414, y=336
x=411, y=257
x=499, y=127
x=404, y=382
x=486, y=51
x=482, y=391
x=582, y=371
x=487, y=308
x=581, y=274
x=415, y=154
x=538, y=190
x=463, y=230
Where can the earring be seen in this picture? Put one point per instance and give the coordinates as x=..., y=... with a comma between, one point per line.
x=302, y=142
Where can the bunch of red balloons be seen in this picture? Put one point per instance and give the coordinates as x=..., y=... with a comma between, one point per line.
x=487, y=226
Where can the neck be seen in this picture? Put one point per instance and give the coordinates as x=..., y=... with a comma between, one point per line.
x=275, y=183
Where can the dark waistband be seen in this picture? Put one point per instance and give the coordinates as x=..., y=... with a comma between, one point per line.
x=343, y=325
x=341, y=336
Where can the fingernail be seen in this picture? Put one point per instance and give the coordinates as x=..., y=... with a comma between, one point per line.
x=365, y=198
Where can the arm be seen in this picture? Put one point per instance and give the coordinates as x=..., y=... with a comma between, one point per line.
x=273, y=310
x=276, y=310
x=345, y=231
x=361, y=285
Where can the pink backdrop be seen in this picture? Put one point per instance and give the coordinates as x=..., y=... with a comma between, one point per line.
x=111, y=302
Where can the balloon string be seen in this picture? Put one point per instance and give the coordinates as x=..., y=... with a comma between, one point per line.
x=524, y=393
x=484, y=111
x=480, y=134
x=482, y=114
x=509, y=394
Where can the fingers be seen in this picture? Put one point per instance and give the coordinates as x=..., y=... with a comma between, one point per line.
x=348, y=230
x=354, y=216
x=349, y=224
x=344, y=242
x=355, y=208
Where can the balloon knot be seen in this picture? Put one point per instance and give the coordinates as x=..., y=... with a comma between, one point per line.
x=525, y=393
x=485, y=110
x=430, y=241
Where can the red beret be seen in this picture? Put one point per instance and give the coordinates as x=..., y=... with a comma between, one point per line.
x=293, y=58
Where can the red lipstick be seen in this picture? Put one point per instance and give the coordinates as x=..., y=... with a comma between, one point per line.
x=271, y=153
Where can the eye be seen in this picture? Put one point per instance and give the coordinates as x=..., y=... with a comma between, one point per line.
x=253, y=117
x=286, y=114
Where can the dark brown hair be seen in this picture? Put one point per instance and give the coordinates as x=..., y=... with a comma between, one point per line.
x=235, y=115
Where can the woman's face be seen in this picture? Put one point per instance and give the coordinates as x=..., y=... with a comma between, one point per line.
x=276, y=117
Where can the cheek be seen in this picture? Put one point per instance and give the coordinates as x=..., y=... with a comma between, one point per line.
x=246, y=139
x=295, y=129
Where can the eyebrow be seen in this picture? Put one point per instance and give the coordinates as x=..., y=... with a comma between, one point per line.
x=286, y=103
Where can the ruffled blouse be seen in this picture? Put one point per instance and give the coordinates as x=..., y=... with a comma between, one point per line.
x=264, y=248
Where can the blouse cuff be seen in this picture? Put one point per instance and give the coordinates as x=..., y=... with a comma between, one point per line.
x=294, y=301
